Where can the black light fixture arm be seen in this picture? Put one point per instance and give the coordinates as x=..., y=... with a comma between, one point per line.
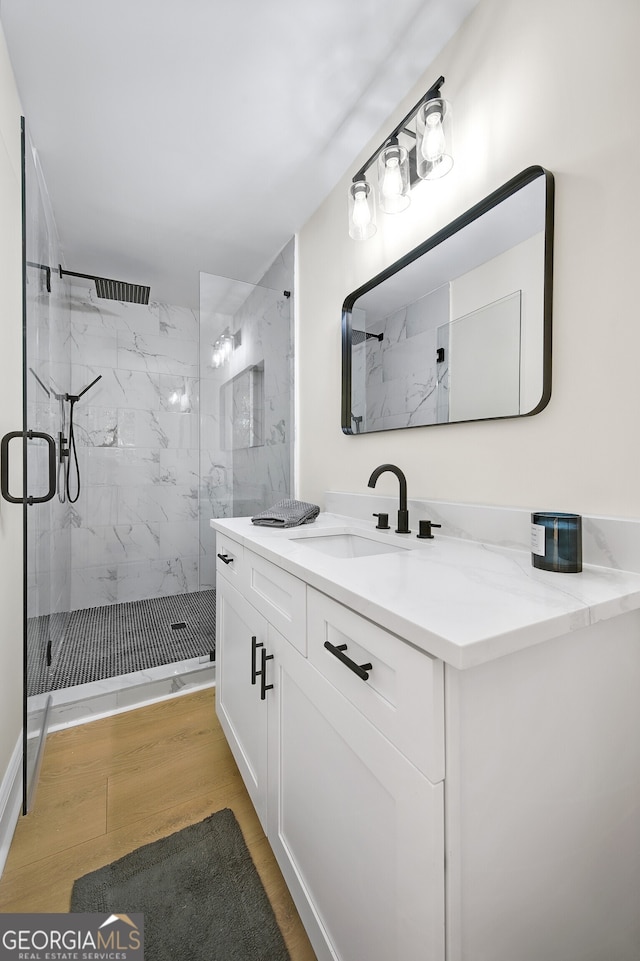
x=432, y=92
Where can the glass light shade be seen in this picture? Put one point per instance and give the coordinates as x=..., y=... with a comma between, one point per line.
x=362, y=210
x=434, y=141
x=227, y=346
x=393, y=179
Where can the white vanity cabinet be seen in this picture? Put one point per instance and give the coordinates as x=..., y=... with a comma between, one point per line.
x=356, y=825
x=478, y=805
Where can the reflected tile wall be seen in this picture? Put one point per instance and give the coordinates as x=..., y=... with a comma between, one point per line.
x=397, y=382
x=134, y=529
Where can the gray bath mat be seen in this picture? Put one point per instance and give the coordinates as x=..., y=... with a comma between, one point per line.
x=200, y=894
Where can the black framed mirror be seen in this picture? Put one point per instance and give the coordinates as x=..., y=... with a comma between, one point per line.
x=459, y=329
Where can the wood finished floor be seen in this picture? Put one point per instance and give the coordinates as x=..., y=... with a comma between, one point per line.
x=110, y=786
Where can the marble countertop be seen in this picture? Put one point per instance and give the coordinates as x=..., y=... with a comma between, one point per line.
x=459, y=600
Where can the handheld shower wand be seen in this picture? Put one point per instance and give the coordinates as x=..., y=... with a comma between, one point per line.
x=71, y=451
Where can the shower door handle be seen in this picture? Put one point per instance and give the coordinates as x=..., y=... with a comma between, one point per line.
x=4, y=466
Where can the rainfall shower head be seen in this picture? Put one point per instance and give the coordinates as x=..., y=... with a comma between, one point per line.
x=113, y=289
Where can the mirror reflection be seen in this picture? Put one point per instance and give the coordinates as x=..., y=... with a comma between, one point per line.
x=460, y=328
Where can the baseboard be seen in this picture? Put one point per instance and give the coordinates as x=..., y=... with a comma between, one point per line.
x=10, y=802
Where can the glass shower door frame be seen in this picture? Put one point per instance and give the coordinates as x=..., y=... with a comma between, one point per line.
x=36, y=288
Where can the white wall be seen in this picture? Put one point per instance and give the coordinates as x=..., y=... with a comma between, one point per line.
x=527, y=83
x=10, y=412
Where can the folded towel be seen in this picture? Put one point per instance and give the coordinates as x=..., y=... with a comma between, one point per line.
x=287, y=513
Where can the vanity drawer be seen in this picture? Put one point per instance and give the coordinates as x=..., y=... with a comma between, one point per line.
x=279, y=596
x=403, y=696
x=230, y=559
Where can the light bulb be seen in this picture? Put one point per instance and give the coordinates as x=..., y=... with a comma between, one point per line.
x=392, y=180
x=433, y=142
x=361, y=211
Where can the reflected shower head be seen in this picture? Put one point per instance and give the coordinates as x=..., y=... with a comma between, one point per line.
x=114, y=289
x=359, y=337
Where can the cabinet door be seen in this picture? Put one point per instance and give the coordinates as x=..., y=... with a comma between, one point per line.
x=357, y=829
x=240, y=642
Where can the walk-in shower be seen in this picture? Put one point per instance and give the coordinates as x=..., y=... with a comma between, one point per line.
x=162, y=435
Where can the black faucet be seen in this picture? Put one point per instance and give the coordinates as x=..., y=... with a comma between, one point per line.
x=403, y=513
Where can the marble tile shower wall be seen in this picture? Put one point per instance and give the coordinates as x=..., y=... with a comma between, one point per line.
x=134, y=526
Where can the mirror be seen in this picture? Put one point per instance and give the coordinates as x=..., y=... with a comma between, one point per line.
x=460, y=328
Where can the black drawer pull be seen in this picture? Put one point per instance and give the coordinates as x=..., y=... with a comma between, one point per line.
x=264, y=687
x=225, y=558
x=255, y=644
x=338, y=651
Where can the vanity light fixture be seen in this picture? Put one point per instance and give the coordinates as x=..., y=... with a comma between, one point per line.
x=426, y=154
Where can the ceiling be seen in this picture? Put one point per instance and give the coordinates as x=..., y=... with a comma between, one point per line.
x=200, y=135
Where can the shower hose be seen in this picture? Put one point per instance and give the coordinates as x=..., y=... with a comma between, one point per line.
x=73, y=457
x=72, y=453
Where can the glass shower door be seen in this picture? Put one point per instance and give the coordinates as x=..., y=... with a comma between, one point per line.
x=246, y=400
x=46, y=548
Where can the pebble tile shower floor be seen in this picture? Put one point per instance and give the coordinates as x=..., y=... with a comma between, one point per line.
x=103, y=642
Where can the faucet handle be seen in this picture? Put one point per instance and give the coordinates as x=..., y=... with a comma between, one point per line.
x=425, y=529
x=383, y=522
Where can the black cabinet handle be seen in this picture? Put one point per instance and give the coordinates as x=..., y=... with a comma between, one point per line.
x=225, y=558
x=338, y=651
x=4, y=466
x=262, y=673
x=264, y=687
x=255, y=644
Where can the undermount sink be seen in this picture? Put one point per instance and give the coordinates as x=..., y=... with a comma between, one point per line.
x=348, y=545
